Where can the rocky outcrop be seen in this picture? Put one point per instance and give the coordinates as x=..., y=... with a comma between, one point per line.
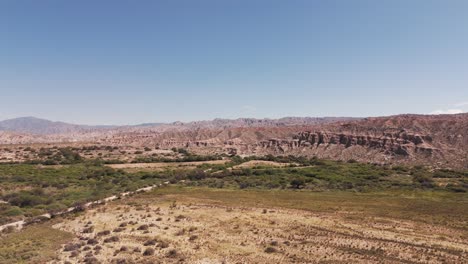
x=401, y=143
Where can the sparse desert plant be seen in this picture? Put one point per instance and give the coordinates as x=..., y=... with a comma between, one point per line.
x=123, y=248
x=163, y=244
x=104, y=233
x=118, y=229
x=172, y=253
x=111, y=239
x=91, y=260
x=148, y=252
x=86, y=248
x=72, y=246
x=120, y=261
x=88, y=230
x=143, y=227
x=178, y=218
x=137, y=250
x=92, y=241
x=150, y=242
x=180, y=232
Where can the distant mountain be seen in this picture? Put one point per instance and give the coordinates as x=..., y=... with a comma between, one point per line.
x=33, y=125
x=148, y=125
x=38, y=126
x=265, y=122
x=436, y=140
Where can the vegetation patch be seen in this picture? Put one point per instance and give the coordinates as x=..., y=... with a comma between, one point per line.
x=34, y=244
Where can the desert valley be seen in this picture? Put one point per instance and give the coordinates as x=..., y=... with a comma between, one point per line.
x=437, y=140
x=232, y=132
x=297, y=190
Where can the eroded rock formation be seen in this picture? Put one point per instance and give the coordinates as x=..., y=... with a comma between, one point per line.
x=400, y=143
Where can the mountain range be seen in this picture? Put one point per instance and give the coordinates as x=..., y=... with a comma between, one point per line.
x=440, y=140
x=38, y=126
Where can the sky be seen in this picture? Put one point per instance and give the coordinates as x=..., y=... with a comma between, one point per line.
x=128, y=62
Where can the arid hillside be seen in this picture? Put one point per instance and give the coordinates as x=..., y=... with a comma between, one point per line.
x=440, y=140
x=437, y=140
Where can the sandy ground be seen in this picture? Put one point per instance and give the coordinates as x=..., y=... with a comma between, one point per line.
x=256, y=163
x=189, y=230
x=163, y=165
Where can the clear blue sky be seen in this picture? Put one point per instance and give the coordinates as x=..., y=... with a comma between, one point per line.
x=123, y=62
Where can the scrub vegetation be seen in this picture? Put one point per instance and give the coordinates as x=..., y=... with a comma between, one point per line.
x=29, y=190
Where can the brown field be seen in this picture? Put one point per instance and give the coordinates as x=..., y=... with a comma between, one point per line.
x=200, y=225
x=161, y=166
x=260, y=163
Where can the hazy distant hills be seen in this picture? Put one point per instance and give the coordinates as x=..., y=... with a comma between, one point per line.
x=266, y=122
x=33, y=125
x=38, y=126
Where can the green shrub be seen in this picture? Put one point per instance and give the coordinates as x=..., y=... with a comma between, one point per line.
x=297, y=183
x=424, y=180
x=14, y=211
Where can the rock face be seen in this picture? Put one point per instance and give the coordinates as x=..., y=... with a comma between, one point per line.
x=440, y=141
x=401, y=143
x=435, y=140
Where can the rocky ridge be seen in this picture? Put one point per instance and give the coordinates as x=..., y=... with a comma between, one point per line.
x=401, y=143
x=440, y=140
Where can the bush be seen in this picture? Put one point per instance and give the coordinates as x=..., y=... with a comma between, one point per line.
x=143, y=227
x=151, y=242
x=171, y=253
x=103, y=233
x=111, y=239
x=88, y=230
x=297, y=183
x=92, y=241
x=72, y=247
x=148, y=252
x=14, y=211
x=270, y=250
x=424, y=180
